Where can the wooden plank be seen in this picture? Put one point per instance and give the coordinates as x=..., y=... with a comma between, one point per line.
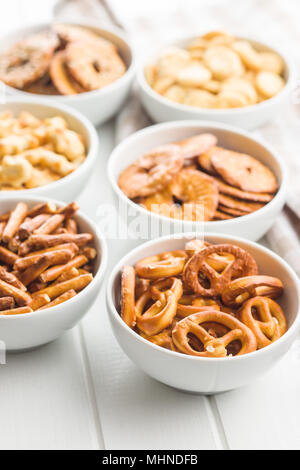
x=266, y=414
x=44, y=400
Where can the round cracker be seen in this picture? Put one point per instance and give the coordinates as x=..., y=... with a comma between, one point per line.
x=196, y=145
x=222, y=216
x=229, y=190
x=243, y=171
x=237, y=204
x=231, y=211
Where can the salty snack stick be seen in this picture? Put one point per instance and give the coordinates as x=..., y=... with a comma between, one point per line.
x=42, y=208
x=21, y=298
x=60, y=299
x=16, y=311
x=25, y=280
x=44, y=261
x=77, y=283
x=46, y=241
x=52, y=273
x=10, y=278
x=209, y=308
x=31, y=224
x=6, y=303
x=15, y=219
x=7, y=256
x=40, y=301
x=2, y=227
x=51, y=224
x=23, y=263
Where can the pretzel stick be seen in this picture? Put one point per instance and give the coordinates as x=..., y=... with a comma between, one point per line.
x=16, y=218
x=60, y=299
x=69, y=210
x=89, y=252
x=2, y=227
x=71, y=226
x=16, y=311
x=21, y=297
x=77, y=283
x=29, y=225
x=4, y=217
x=52, y=273
x=7, y=256
x=65, y=276
x=6, y=303
x=43, y=208
x=23, y=263
x=14, y=243
x=10, y=278
x=39, y=301
x=46, y=241
x=42, y=263
x=51, y=224
x=36, y=286
x=60, y=230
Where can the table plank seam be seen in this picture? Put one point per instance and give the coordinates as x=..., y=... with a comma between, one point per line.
x=91, y=389
x=217, y=426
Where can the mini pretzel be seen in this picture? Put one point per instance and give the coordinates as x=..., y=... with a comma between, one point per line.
x=239, y=290
x=269, y=322
x=128, y=296
x=162, y=312
x=163, y=339
x=212, y=346
x=170, y=263
x=189, y=304
x=198, y=264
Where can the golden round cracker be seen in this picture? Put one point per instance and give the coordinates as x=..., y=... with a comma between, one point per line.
x=198, y=192
x=243, y=171
x=219, y=215
x=231, y=211
x=237, y=204
x=269, y=84
x=204, y=160
x=229, y=190
x=196, y=145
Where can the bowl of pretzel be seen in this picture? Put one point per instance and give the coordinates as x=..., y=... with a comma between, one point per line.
x=74, y=63
x=203, y=315
x=216, y=76
x=45, y=150
x=52, y=263
x=195, y=176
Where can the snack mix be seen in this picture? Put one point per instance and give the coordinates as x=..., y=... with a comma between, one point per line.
x=206, y=300
x=195, y=180
x=44, y=258
x=35, y=152
x=63, y=60
x=216, y=70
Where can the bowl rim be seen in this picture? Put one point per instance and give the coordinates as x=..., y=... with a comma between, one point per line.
x=180, y=236
x=88, y=23
x=119, y=149
x=90, y=156
x=213, y=112
x=97, y=277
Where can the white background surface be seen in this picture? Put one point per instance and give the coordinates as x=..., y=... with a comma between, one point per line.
x=81, y=391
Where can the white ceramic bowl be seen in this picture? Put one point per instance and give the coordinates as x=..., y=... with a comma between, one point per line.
x=161, y=109
x=197, y=374
x=252, y=226
x=97, y=105
x=20, y=332
x=70, y=186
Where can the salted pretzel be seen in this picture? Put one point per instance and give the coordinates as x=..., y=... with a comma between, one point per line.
x=128, y=296
x=198, y=265
x=169, y=263
x=265, y=318
x=161, y=313
x=210, y=345
x=189, y=304
x=239, y=290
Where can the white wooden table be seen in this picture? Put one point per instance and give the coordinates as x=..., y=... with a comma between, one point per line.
x=81, y=391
